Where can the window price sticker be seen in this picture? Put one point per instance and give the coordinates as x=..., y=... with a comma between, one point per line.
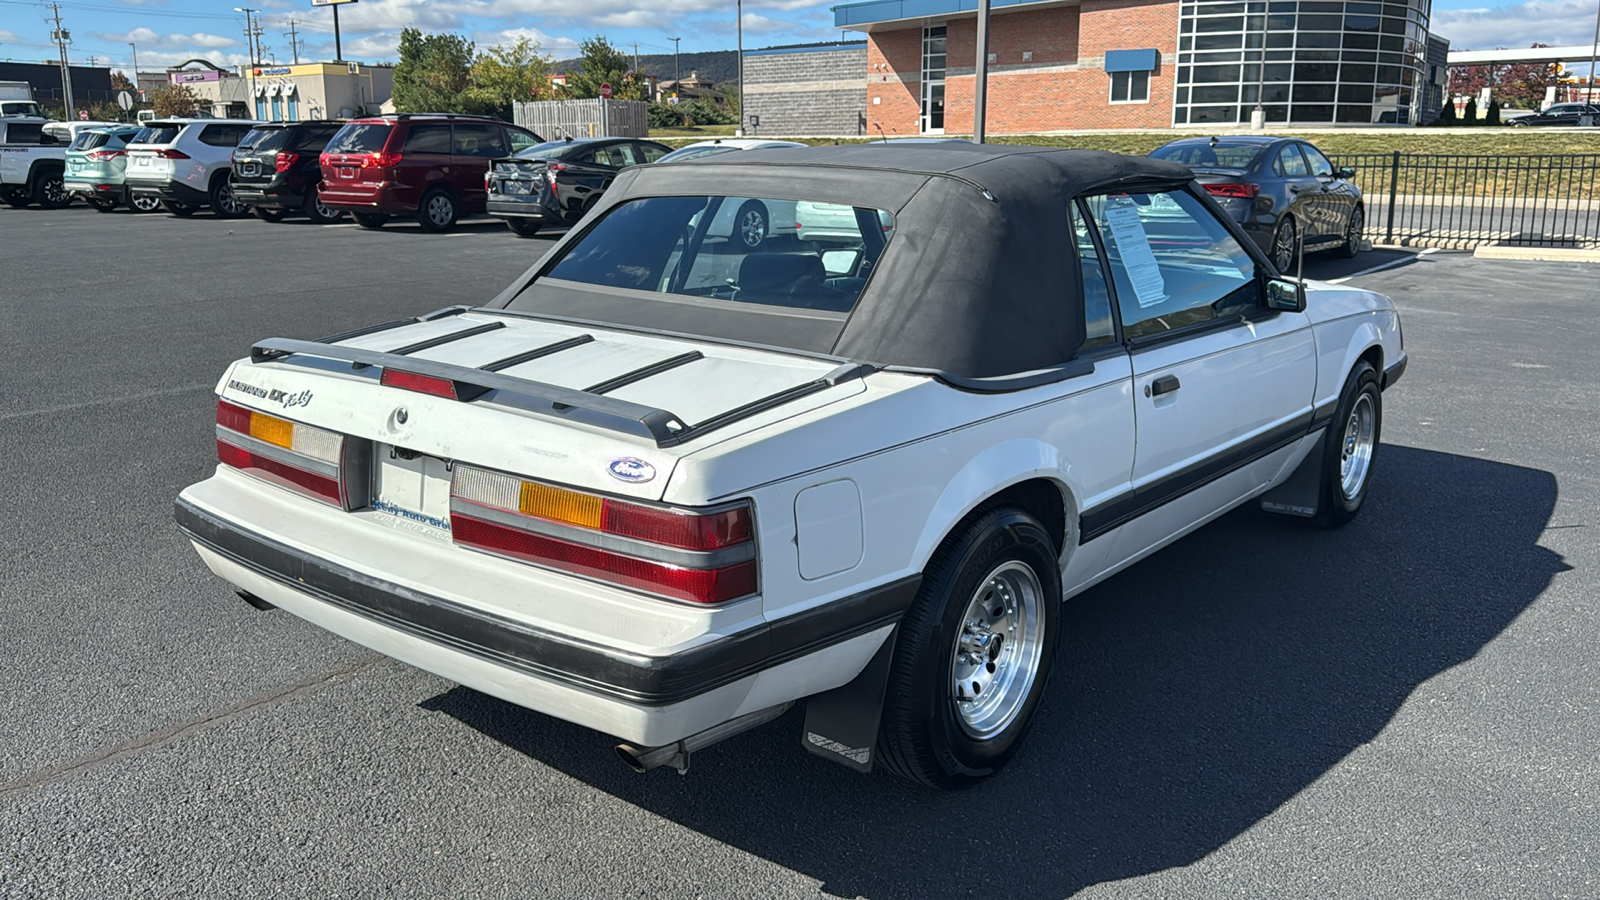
x=1133, y=245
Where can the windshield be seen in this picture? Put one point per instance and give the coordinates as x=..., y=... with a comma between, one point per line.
x=264, y=139
x=1220, y=155
x=550, y=150
x=360, y=137
x=694, y=153
x=803, y=255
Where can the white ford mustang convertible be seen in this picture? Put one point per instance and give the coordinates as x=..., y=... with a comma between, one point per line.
x=669, y=484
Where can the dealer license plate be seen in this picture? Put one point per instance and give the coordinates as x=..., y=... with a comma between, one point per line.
x=249, y=169
x=142, y=160
x=414, y=490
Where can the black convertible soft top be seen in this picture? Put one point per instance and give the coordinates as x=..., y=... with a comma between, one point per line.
x=979, y=280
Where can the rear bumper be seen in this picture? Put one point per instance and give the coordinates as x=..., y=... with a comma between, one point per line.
x=380, y=198
x=647, y=699
x=175, y=191
x=501, y=207
x=270, y=197
x=93, y=187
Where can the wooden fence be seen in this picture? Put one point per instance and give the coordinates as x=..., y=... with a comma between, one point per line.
x=553, y=119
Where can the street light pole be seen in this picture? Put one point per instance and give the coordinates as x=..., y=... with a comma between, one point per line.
x=980, y=84
x=739, y=11
x=1258, y=116
x=1594, y=52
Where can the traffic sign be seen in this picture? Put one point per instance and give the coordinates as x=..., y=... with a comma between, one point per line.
x=605, y=91
x=83, y=114
x=330, y=2
x=125, y=100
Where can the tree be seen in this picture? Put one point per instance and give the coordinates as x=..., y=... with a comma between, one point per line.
x=120, y=82
x=502, y=75
x=1469, y=116
x=1494, y=113
x=1447, y=115
x=434, y=72
x=1519, y=84
x=600, y=64
x=176, y=100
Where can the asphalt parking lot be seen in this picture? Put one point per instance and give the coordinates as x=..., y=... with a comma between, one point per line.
x=1408, y=707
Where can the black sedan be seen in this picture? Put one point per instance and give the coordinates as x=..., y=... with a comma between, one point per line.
x=555, y=183
x=1284, y=192
x=1561, y=115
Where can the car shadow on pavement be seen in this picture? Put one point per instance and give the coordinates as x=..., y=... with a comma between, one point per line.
x=1193, y=695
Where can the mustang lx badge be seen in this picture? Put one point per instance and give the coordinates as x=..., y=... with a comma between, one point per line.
x=286, y=399
x=634, y=471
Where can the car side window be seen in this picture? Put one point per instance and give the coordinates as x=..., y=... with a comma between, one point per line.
x=1320, y=166
x=1173, y=263
x=1290, y=163
x=622, y=155
x=1099, y=329
x=431, y=137
x=480, y=139
x=521, y=140
x=223, y=135
x=650, y=153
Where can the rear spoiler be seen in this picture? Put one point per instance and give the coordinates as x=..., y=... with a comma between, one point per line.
x=589, y=406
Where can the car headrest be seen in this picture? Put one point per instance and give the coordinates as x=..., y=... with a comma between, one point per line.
x=780, y=272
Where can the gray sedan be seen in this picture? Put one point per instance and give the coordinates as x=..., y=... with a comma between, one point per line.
x=1284, y=192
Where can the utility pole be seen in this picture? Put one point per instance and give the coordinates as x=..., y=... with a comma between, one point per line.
x=261, y=49
x=738, y=131
x=137, y=93
x=61, y=36
x=676, y=73
x=249, y=34
x=636, y=56
x=294, y=40
x=1594, y=54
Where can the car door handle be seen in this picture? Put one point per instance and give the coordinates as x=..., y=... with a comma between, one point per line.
x=1166, y=384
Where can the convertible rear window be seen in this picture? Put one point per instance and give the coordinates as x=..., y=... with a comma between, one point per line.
x=735, y=250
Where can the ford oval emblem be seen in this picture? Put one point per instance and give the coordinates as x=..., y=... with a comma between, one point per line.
x=633, y=471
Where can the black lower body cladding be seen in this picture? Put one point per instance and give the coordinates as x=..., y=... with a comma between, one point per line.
x=631, y=677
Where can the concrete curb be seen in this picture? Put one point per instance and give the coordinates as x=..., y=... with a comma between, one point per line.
x=1538, y=254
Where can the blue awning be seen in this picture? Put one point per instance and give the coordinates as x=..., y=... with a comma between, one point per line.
x=1132, y=60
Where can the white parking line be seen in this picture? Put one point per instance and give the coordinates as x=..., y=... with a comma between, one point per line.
x=341, y=225
x=1388, y=265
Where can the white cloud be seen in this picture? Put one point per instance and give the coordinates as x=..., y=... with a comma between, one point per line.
x=145, y=37
x=754, y=23
x=1552, y=22
x=558, y=47
x=9, y=37
x=156, y=60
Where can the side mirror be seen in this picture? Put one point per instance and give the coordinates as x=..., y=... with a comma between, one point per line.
x=1286, y=295
x=1347, y=172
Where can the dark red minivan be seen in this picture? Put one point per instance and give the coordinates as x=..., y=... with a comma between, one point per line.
x=427, y=165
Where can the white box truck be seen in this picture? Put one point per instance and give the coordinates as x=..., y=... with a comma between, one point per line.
x=16, y=99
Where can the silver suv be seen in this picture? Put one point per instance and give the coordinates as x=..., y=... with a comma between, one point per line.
x=185, y=164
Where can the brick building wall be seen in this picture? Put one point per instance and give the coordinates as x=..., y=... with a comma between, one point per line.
x=807, y=91
x=1062, y=86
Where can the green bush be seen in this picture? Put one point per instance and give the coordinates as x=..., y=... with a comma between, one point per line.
x=1469, y=116
x=1494, y=113
x=1447, y=115
x=681, y=115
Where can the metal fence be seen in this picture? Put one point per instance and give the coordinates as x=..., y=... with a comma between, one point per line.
x=584, y=118
x=1466, y=201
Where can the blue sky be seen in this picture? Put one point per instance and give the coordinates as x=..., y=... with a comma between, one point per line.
x=170, y=31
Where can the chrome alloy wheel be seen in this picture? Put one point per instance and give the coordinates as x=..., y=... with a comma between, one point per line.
x=440, y=210
x=327, y=212
x=1352, y=231
x=997, y=652
x=145, y=203
x=229, y=203
x=1355, y=450
x=753, y=228
x=55, y=192
x=1283, y=248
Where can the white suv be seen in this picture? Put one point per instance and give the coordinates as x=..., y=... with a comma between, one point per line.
x=185, y=163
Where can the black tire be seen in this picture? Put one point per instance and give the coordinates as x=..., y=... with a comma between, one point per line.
x=316, y=212
x=49, y=191
x=1354, y=227
x=224, y=203
x=15, y=196
x=103, y=204
x=270, y=215
x=143, y=203
x=922, y=736
x=438, y=210
x=1336, y=504
x=1285, y=245
x=523, y=226
x=179, y=208
x=752, y=226
x=370, y=220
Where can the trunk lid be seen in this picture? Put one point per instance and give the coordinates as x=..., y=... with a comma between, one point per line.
x=513, y=429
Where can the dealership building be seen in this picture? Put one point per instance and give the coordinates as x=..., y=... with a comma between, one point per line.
x=1058, y=65
x=291, y=93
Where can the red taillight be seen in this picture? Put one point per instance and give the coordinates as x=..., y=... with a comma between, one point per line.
x=284, y=160
x=381, y=159
x=696, y=585
x=1236, y=190
x=323, y=159
x=171, y=154
x=422, y=384
x=104, y=155
x=702, y=556
x=550, y=176
x=289, y=454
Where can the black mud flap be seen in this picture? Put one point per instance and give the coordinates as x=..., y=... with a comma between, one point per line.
x=1301, y=493
x=842, y=724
